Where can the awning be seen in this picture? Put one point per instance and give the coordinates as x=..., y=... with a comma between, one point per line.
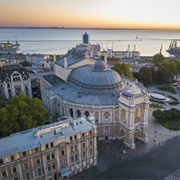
x=84, y=164
x=64, y=172
x=91, y=161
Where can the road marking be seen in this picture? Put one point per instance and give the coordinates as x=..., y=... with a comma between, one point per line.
x=173, y=176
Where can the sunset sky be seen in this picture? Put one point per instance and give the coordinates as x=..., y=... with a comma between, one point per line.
x=91, y=13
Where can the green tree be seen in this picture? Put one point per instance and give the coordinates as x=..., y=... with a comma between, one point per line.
x=167, y=71
x=158, y=59
x=123, y=69
x=22, y=112
x=144, y=75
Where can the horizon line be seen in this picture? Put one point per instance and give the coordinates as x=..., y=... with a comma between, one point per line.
x=105, y=28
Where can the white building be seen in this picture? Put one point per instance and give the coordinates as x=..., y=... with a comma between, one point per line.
x=82, y=86
x=13, y=80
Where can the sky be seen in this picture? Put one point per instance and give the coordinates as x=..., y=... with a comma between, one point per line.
x=91, y=13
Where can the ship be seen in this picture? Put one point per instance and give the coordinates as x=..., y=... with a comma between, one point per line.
x=9, y=48
x=174, y=49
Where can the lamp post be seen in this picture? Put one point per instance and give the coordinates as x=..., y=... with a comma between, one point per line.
x=124, y=150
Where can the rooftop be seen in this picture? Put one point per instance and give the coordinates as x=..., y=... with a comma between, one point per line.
x=33, y=138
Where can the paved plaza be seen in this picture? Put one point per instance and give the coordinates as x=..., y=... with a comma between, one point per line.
x=161, y=152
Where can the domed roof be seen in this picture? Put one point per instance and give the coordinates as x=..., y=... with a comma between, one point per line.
x=96, y=77
x=100, y=65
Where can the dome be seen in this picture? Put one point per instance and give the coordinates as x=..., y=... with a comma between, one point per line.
x=96, y=77
x=100, y=65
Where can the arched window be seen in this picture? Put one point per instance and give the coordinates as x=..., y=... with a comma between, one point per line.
x=24, y=77
x=71, y=112
x=7, y=79
x=78, y=113
x=86, y=113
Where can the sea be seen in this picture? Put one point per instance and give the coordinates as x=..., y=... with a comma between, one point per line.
x=60, y=40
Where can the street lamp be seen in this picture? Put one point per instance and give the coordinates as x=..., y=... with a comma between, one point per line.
x=124, y=150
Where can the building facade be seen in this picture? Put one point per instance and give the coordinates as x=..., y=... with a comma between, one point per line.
x=49, y=152
x=119, y=105
x=13, y=80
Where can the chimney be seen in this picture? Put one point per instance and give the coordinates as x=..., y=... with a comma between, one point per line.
x=65, y=62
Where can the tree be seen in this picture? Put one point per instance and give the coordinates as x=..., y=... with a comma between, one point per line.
x=21, y=112
x=144, y=75
x=123, y=69
x=167, y=71
x=158, y=59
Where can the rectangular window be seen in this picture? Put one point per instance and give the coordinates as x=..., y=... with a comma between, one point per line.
x=24, y=153
x=51, y=144
x=36, y=149
x=83, y=134
x=52, y=156
x=84, y=154
x=70, y=138
x=47, y=146
x=62, y=152
x=39, y=172
x=71, y=149
x=4, y=174
x=12, y=158
x=1, y=161
x=90, y=143
x=84, y=145
x=75, y=148
x=25, y=165
x=53, y=166
x=90, y=132
x=14, y=170
x=38, y=161
x=106, y=129
x=49, y=167
x=75, y=137
x=48, y=157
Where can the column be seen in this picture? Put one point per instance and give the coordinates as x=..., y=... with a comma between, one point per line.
x=57, y=158
x=20, y=170
x=12, y=90
x=127, y=122
x=99, y=118
x=22, y=87
x=102, y=117
x=74, y=114
x=145, y=118
x=68, y=154
x=95, y=149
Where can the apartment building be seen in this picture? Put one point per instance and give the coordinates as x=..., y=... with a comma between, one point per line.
x=53, y=151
